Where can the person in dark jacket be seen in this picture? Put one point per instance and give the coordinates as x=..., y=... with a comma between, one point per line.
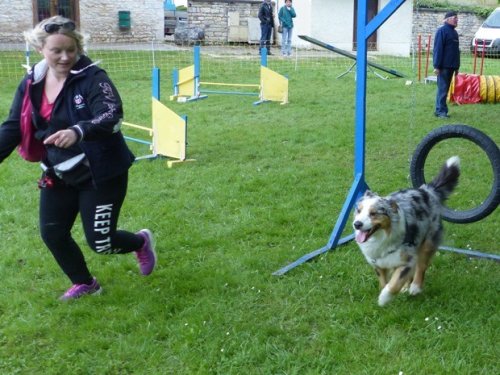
x=266, y=17
x=75, y=112
x=446, y=60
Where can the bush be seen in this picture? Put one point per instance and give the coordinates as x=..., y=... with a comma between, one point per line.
x=482, y=12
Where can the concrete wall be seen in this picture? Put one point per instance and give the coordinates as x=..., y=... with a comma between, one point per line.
x=333, y=22
x=394, y=35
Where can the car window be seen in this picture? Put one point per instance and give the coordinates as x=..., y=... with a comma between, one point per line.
x=493, y=20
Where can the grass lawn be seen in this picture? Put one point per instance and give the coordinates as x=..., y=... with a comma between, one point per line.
x=267, y=187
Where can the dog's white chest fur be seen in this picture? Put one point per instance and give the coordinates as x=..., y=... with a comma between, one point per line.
x=382, y=253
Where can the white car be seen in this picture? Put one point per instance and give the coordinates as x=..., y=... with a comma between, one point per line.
x=488, y=35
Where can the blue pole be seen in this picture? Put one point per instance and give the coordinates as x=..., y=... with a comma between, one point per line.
x=360, y=114
x=263, y=57
x=156, y=83
x=197, y=70
x=175, y=81
x=359, y=185
x=142, y=141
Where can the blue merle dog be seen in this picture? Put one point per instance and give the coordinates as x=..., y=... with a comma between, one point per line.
x=400, y=233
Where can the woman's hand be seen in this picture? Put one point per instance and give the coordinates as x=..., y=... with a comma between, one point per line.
x=63, y=138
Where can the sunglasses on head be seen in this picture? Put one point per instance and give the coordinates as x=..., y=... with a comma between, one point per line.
x=51, y=28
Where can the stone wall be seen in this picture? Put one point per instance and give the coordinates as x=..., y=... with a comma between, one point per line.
x=223, y=20
x=426, y=22
x=15, y=17
x=98, y=18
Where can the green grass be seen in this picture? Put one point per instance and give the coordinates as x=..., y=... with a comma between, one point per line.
x=267, y=187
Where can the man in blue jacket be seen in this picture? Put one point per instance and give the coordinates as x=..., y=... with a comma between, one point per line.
x=446, y=60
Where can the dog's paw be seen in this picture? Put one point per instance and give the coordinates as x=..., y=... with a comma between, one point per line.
x=385, y=297
x=414, y=289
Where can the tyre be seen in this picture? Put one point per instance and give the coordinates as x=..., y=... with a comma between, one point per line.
x=485, y=143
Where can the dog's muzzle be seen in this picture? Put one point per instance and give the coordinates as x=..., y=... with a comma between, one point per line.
x=357, y=225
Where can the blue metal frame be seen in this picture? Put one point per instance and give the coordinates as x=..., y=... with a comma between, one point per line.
x=197, y=68
x=263, y=57
x=156, y=83
x=169, y=5
x=359, y=186
x=175, y=81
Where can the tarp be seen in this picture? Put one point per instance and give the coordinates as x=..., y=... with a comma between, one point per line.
x=466, y=89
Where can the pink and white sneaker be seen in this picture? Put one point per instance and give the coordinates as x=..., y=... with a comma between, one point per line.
x=146, y=256
x=80, y=290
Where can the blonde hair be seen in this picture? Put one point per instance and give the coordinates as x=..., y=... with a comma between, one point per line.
x=38, y=36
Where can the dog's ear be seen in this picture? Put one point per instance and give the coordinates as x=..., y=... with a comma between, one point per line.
x=368, y=194
x=394, y=206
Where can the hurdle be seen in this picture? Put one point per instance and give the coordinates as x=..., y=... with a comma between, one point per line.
x=187, y=83
x=168, y=132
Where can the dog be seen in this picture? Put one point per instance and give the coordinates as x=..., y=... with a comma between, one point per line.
x=400, y=233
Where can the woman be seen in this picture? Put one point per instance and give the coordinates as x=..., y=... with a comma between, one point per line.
x=285, y=16
x=76, y=114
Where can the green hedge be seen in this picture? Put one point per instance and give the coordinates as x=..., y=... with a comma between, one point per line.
x=445, y=5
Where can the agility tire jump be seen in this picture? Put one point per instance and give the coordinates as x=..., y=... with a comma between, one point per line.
x=466, y=132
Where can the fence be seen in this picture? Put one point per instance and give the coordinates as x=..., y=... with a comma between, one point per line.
x=132, y=64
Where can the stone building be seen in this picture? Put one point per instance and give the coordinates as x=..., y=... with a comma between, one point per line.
x=226, y=21
x=104, y=21
x=331, y=21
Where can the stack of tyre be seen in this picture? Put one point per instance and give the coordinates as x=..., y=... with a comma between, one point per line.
x=473, y=88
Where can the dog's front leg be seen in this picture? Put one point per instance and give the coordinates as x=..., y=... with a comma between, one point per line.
x=382, y=276
x=399, y=278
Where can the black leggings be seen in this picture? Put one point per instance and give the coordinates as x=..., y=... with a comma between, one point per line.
x=99, y=210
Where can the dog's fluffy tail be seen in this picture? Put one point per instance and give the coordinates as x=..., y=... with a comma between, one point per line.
x=447, y=179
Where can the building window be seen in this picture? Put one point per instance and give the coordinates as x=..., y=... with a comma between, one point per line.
x=48, y=8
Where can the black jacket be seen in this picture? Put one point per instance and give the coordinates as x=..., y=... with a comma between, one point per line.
x=266, y=16
x=88, y=103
